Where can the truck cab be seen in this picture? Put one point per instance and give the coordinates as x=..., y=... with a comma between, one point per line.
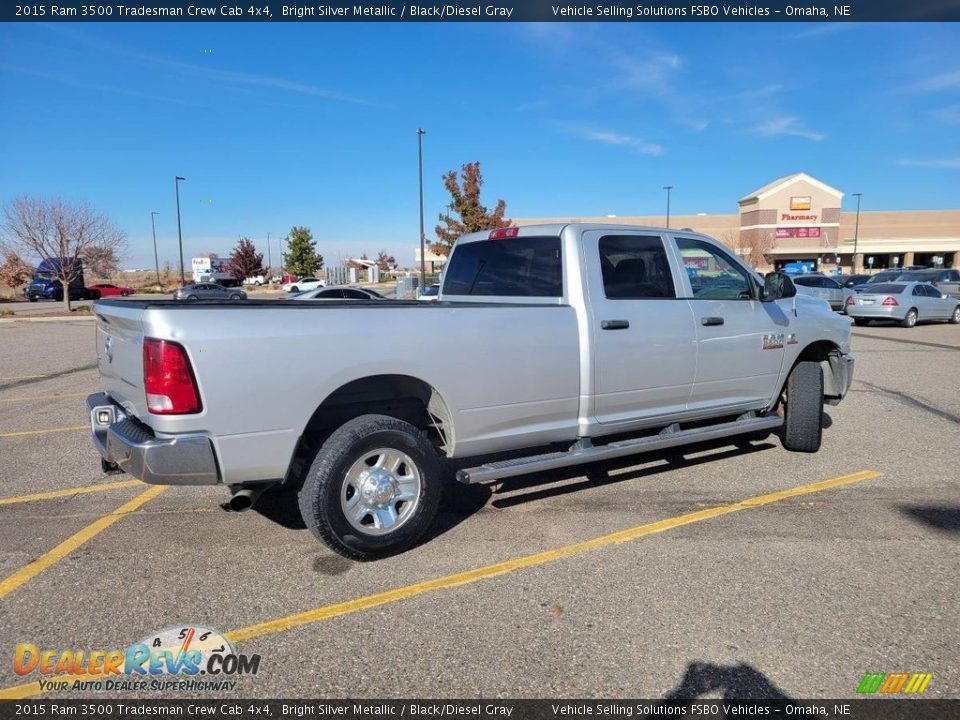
x=45, y=284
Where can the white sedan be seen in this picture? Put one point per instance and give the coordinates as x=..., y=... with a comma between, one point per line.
x=307, y=283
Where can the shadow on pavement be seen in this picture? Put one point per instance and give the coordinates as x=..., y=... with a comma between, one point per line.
x=733, y=682
x=942, y=518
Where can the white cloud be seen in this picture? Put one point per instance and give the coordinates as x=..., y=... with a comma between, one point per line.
x=948, y=115
x=931, y=163
x=943, y=81
x=608, y=137
x=785, y=125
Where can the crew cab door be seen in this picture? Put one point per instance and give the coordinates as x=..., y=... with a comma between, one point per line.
x=643, y=338
x=740, y=340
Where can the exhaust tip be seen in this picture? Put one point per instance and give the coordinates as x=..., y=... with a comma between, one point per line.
x=240, y=502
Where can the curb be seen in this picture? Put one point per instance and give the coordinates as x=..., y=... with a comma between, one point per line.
x=6, y=321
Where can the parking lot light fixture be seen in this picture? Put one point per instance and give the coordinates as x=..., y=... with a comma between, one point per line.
x=856, y=231
x=156, y=258
x=179, y=233
x=423, y=263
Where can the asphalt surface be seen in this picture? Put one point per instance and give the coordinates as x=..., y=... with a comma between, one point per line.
x=797, y=597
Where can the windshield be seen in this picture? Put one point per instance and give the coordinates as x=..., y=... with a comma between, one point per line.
x=884, y=277
x=919, y=275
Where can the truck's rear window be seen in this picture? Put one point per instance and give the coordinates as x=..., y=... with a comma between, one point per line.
x=514, y=267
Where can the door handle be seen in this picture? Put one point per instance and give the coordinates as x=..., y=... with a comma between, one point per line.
x=711, y=321
x=614, y=324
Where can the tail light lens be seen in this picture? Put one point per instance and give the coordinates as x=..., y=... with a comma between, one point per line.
x=850, y=300
x=168, y=379
x=890, y=302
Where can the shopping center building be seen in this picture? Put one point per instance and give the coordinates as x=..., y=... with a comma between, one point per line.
x=800, y=218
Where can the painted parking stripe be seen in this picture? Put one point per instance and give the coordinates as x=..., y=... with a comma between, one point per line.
x=55, y=396
x=73, y=542
x=68, y=492
x=44, y=431
x=326, y=612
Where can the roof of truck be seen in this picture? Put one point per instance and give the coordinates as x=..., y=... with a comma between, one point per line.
x=557, y=228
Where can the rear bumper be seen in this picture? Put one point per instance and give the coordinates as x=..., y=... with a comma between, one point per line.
x=180, y=460
x=877, y=312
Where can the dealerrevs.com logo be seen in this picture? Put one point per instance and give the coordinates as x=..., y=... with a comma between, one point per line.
x=180, y=658
x=894, y=683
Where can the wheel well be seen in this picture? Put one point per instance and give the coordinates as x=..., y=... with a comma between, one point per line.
x=400, y=396
x=828, y=355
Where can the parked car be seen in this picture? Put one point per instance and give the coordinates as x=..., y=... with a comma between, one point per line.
x=342, y=292
x=884, y=276
x=588, y=337
x=849, y=281
x=946, y=280
x=255, y=280
x=431, y=293
x=906, y=302
x=108, y=290
x=307, y=283
x=208, y=291
x=823, y=287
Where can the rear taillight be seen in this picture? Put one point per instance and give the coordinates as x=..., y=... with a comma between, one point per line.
x=889, y=302
x=168, y=379
x=850, y=300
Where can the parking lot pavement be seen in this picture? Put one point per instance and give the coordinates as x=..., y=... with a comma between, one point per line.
x=798, y=596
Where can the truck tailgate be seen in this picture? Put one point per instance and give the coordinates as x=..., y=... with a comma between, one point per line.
x=120, y=355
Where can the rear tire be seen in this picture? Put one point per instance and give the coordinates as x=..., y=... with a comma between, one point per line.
x=235, y=297
x=192, y=297
x=124, y=294
x=861, y=322
x=955, y=318
x=341, y=480
x=910, y=319
x=294, y=289
x=803, y=408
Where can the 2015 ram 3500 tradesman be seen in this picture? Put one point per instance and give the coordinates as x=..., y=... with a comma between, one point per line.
x=564, y=344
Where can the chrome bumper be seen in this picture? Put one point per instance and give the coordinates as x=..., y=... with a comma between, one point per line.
x=180, y=460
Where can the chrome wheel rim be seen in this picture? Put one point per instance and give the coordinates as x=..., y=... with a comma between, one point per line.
x=911, y=318
x=956, y=315
x=381, y=491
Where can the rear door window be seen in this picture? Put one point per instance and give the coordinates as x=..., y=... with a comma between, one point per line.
x=635, y=267
x=512, y=267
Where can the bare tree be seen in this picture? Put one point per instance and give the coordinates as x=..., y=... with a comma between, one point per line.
x=61, y=233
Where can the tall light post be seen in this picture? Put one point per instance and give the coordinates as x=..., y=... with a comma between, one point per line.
x=856, y=232
x=668, y=188
x=423, y=262
x=269, y=257
x=179, y=233
x=156, y=258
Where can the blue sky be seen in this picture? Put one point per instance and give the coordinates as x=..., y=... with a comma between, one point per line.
x=314, y=124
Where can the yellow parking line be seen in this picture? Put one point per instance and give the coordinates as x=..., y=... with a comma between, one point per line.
x=48, y=559
x=101, y=487
x=44, y=431
x=470, y=576
x=41, y=397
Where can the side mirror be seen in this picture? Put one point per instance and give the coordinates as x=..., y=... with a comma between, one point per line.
x=777, y=285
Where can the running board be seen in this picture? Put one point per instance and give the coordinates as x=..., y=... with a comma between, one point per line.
x=583, y=452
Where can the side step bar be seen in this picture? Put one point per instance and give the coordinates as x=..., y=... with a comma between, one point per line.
x=583, y=452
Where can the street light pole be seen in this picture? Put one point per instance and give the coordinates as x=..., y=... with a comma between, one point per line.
x=156, y=259
x=179, y=232
x=668, y=188
x=423, y=263
x=269, y=257
x=856, y=232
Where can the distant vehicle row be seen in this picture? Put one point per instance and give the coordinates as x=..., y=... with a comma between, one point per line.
x=906, y=302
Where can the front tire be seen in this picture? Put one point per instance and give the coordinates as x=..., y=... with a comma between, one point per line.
x=803, y=411
x=373, y=488
x=910, y=319
x=235, y=297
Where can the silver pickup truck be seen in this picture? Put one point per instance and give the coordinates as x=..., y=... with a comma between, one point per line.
x=552, y=345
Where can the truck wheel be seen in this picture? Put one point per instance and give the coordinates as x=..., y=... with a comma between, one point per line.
x=373, y=488
x=910, y=319
x=32, y=299
x=803, y=408
x=861, y=322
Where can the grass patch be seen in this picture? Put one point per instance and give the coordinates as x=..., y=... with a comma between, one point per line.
x=6, y=313
x=83, y=309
